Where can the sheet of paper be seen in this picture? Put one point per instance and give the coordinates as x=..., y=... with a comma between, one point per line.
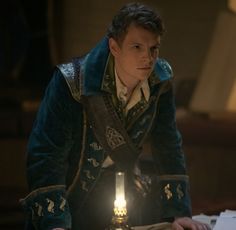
x=228, y=213
x=226, y=221
x=210, y=220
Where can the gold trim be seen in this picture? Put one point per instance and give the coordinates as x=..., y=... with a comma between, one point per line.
x=40, y=209
x=108, y=80
x=152, y=120
x=94, y=162
x=141, y=112
x=168, y=192
x=84, y=186
x=63, y=204
x=38, y=191
x=95, y=146
x=179, y=191
x=88, y=174
x=114, y=138
x=50, y=205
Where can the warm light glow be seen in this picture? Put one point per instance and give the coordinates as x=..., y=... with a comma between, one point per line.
x=232, y=5
x=120, y=202
x=232, y=99
x=120, y=186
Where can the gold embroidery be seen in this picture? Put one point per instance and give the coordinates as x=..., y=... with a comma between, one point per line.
x=84, y=184
x=168, y=192
x=50, y=205
x=93, y=161
x=88, y=174
x=42, y=190
x=179, y=191
x=95, y=146
x=63, y=204
x=114, y=138
x=40, y=209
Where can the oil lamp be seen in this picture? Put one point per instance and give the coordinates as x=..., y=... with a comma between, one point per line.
x=120, y=218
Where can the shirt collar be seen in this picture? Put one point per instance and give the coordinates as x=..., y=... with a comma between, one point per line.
x=141, y=89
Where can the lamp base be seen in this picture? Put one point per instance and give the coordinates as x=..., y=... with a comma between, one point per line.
x=119, y=223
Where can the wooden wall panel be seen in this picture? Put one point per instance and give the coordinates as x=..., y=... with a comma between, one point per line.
x=216, y=88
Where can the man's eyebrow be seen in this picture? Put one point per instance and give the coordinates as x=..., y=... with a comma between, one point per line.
x=157, y=45
x=134, y=42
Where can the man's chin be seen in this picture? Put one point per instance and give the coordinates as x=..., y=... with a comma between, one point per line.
x=143, y=78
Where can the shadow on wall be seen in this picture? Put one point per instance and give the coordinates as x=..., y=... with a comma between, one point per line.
x=24, y=46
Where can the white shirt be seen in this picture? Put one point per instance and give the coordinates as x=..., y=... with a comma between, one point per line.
x=135, y=97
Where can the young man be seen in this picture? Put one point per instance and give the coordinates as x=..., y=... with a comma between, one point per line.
x=97, y=114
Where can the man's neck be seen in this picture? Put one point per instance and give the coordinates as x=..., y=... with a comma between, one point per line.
x=130, y=85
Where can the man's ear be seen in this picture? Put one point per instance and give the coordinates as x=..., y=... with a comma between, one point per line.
x=114, y=47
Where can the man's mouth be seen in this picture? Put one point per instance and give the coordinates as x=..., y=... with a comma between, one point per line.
x=144, y=68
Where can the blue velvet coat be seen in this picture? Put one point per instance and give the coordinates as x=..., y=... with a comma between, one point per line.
x=64, y=158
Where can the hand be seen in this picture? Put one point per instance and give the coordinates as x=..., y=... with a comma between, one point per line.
x=182, y=223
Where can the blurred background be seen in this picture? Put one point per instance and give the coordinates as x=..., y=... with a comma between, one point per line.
x=200, y=46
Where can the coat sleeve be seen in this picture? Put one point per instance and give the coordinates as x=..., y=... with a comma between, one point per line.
x=47, y=157
x=172, y=182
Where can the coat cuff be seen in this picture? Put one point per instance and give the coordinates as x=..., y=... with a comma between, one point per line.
x=174, y=196
x=47, y=208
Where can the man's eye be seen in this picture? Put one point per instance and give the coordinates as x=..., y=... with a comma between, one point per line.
x=155, y=49
x=137, y=47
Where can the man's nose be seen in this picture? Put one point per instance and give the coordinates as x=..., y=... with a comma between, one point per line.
x=148, y=54
x=148, y=57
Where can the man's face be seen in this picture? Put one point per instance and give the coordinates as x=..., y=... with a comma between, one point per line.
x=136, y=55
